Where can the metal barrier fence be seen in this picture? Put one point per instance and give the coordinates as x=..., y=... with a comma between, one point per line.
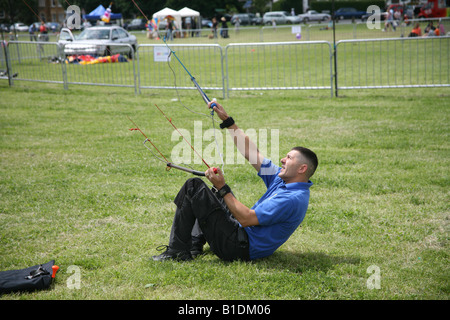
x=158, y=70
x=121, y=73
x=374, y=63
x=2, y=55
x=46, y=62
x=32, y=61
x=393, y=63
x=277, y=66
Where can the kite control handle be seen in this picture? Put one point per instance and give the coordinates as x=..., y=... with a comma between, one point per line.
x=215, y=170
x=54, y=269
x=213, y=104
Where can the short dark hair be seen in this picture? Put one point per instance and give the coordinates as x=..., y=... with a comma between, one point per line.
x=311, y=157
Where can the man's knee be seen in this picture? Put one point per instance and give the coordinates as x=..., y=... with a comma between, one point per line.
x=190, y=187
x=194, y=182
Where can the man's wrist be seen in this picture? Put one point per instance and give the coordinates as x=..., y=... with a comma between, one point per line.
x=224, y=190
x=228, y=122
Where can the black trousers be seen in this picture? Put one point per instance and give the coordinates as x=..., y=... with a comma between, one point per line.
x=202, y=216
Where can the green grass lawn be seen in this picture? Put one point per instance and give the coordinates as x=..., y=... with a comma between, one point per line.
x=77, y=186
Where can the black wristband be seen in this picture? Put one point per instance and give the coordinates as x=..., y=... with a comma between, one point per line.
x=228, y=122
x=224, y=190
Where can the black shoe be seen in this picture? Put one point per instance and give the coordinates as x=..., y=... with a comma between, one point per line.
x=197, y=245
x=171, y=254
x=196, y=251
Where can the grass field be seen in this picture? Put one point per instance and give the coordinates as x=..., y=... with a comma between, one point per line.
x=78, y=187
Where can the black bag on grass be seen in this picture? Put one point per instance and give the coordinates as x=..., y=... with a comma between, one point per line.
x=33, y=278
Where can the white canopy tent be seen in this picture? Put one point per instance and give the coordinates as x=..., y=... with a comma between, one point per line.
x=168, y=12
x=187, y=12
x=194, y=16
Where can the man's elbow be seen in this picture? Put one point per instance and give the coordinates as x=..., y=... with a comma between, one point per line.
x=249, y=220
x=246, y=224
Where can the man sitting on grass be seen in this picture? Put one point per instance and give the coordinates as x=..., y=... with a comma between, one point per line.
x=232, y=230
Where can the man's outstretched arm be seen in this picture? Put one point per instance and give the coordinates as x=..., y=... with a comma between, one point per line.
x=243, y=143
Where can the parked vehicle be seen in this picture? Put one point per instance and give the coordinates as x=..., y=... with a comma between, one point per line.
x=53, y=26
x=21, y=27
x=349, y=13
x=206, y=23
x=383, y=15
x=256, y=19
x=137, y=24
x=280, y=17
x=433, y=9
x=97, y=41
x=4, y=27
x=246, y=19
x=313, y=15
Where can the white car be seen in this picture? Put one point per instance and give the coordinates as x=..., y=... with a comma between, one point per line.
x=98, y=41
x=313, y=15
x=279, y=17
x=19, y=27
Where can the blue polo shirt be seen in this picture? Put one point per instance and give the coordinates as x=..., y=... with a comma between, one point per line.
x=280, y=211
